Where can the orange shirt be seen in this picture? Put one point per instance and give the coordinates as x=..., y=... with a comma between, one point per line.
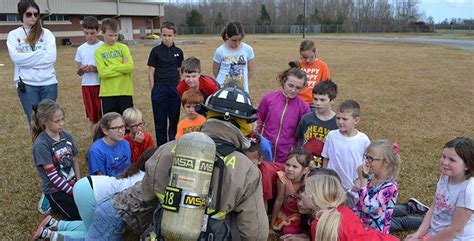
x=188, y=125
x=315, y=72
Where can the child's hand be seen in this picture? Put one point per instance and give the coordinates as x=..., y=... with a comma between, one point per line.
x=363, y=170
x=139, y=136
x=92, y=69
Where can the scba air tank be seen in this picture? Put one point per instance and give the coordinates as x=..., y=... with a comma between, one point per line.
x=185, y=197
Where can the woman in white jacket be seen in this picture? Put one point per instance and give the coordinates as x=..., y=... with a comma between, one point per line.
x=33, y=51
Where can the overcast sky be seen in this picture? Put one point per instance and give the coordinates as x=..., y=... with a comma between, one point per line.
x=441, y=9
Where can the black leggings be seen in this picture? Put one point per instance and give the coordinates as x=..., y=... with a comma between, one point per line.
x=63, y=204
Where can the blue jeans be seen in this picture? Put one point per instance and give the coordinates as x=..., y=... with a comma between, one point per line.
x=106, y=224
x=402, y=221
x=34, y=95
x=166, y=104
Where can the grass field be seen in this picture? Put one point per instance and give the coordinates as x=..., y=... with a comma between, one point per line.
x=420, y=96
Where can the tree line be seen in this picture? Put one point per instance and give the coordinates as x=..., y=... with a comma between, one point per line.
x=216, y=13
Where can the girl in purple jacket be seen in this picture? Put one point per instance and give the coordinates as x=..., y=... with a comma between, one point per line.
x=279, y=113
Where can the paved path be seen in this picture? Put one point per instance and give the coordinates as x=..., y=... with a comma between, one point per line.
x=456, y=43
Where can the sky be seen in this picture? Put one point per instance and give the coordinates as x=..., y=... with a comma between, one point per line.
x=441, y=9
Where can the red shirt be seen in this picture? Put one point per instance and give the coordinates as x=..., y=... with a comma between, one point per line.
x=207, y=86
x=269, y=177
x=352, y=229
x=138, y=148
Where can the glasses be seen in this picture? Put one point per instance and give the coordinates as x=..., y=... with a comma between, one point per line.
x=141, y=124
x=30, y=14
x=370, y=159
x=117, y=128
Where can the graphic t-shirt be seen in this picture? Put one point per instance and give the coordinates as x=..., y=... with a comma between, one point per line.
x=234, y=65
x=312, y=131
x=448, y=198
x=85, y=56
x=187, y=126
x=315, y=72
x=59, y=153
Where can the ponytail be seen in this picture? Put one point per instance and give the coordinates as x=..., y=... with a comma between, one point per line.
x=327, y=194
x=328, y=225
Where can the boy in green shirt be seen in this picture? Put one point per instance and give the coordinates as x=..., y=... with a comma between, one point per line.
x=115, y=66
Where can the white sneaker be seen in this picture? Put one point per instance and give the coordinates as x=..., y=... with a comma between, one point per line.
x=417, y=206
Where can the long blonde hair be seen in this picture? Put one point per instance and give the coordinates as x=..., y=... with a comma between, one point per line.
x=327, y=194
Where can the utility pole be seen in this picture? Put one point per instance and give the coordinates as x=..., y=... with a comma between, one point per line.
x=304, y=18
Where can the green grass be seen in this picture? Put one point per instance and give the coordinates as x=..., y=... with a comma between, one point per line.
x=417, y=95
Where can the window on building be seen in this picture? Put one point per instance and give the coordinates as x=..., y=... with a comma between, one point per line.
x=9, y=18
x=57, y=18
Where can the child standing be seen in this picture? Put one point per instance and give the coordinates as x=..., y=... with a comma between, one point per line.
x=285, y=215
x=316, y=69
x=333, y=221
x=344, y=149
x=32, y=49
x=192, y=121
x=53, y=154
x=314, y=126
x=192, y=79
x=109, y=155
x=86, y=68
x=279, y=113
x=138, y=138
x=451, y=217
x=163, y=77
x=115, y=67
x=376, y=185
x=233, y=60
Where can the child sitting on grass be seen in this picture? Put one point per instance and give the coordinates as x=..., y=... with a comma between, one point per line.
x=451, y=215
x=138, y=138
x=376, y=185
x=285, y=216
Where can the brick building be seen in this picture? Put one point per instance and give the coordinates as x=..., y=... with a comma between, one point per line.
x=64, y=17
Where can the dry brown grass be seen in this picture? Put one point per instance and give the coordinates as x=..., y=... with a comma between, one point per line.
x=417, y=95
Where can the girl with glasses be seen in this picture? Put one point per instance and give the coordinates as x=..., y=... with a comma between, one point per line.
x=110, y=154
x=32, y=50
x=376, y=185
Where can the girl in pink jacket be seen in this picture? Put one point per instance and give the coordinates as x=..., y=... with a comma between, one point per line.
x=279, y=113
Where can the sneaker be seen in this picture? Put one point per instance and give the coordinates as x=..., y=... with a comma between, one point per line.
x=417, y=206
x=42, y=234
x=43, y=205
x=49, y=222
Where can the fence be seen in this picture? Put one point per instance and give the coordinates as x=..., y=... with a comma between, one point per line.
x=346, y=28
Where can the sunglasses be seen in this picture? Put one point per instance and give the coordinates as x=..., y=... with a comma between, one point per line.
x=30, y=14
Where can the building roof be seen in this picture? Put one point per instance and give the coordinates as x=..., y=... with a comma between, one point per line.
x=92, y=7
